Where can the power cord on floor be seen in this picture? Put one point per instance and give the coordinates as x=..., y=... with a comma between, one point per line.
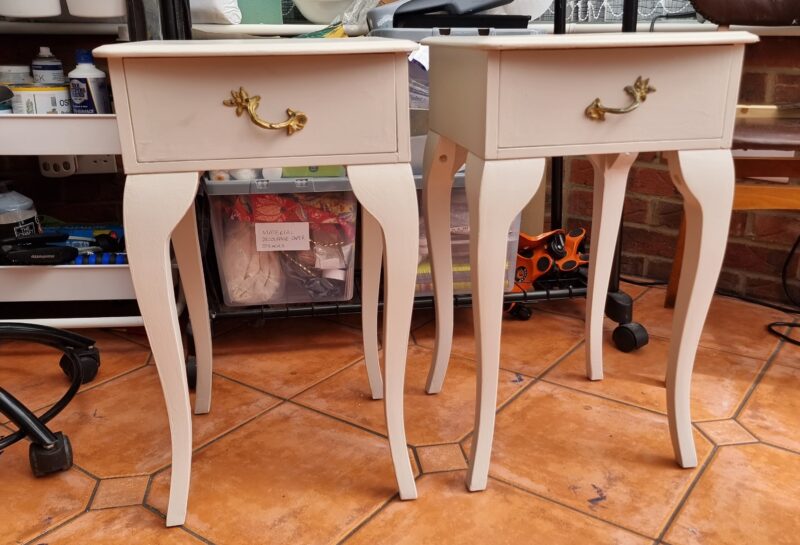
x=643, y=283
x=785, y=283
x=772, y=327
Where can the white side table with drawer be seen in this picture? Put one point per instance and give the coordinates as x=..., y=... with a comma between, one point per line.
x=286, y=103
x=503, y=104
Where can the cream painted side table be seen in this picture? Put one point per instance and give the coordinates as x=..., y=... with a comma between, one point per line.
x=286, y=103
x=503, y=104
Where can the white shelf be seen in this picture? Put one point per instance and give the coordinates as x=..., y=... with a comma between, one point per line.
x=65, y=283
x=67, y=134
x=54, y=27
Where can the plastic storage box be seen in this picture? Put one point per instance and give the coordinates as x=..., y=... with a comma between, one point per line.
x=284, y=241
x=459, y=235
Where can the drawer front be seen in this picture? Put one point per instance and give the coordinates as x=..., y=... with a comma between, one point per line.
x=177, y=112
x=543, y=97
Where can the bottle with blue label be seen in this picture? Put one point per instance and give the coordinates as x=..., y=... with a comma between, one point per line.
x=47, y=70
x=87, y=87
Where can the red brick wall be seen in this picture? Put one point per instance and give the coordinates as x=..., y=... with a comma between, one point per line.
x=759, y=241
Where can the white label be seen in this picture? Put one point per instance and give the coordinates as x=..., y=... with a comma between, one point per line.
x=274, y=237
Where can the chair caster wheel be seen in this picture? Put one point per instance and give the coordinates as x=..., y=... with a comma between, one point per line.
x=58, y=457
x=629, y=337
x=191, y=371
x=521, y=312
x=90, y=364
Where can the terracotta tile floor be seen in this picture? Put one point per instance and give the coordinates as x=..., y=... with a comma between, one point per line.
x=294, y=450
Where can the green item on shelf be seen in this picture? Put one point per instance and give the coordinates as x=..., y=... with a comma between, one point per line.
x=261, y=12
x=335, y=171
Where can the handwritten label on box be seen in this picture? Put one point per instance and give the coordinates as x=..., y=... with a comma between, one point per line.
x=275, y=237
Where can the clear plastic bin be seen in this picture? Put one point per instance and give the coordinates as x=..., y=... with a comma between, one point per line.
x=284, y=241
x=459, y=235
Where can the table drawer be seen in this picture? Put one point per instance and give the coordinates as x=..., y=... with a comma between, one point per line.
x=177, y=112
x=690, y=107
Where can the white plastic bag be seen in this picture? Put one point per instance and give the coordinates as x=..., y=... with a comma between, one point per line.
x=221, y=12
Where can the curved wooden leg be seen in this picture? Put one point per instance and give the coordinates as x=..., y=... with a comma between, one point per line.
x=371, y=257
x=190, y=265
x=610, y=180
x=675, y=272
x=442, y=160
x=388, y=193
x=706, y=181
x=154, y=204
x=496, y=192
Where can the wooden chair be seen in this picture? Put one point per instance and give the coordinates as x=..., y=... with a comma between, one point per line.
x=758, y=127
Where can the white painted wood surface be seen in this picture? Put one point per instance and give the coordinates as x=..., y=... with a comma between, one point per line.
x=67, y=134
x=536, y=115
x=705, y=179
x=65, y=283
x=610, y=181
x=496, y=192
x=593, y=41
x=371, y=264
x=254, y=48
x=190, y=265
x=156, y=113
x=171, y=120
x=163, y=108
x=153, y=206
x=512, y=114
x=388, y=193
x=442, y=159
x=508, y=98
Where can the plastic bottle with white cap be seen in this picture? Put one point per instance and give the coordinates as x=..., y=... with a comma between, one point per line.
x=87, y=87
x=47, y=69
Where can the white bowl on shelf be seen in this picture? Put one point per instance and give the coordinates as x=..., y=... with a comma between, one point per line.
x=322, y=12
x=30, y=8
x=99, y=9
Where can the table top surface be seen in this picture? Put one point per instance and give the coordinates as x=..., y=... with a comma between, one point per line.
x=255, y=47
x=594, y=41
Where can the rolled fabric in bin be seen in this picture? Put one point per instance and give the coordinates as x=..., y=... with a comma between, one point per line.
x=252, y=277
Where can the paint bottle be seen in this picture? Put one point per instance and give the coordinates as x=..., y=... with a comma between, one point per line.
x=47, y=70
x=87, y=87
x=17, y=215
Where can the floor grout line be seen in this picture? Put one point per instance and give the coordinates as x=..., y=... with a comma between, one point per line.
x=340, y=419
x=542, y=377
x=199, y=449
x=368, y=519
x=772, y=445
x=676, y=511
x=566, y=506
x=35, y=540
x=598, y=396
x=759, y=377
x=91, y=386
x=249, y=386
x=338, y=371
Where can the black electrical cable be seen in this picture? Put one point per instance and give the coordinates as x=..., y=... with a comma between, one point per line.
x=644, y=283
x=772, y=327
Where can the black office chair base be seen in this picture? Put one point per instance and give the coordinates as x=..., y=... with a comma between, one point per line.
x=629, y=335
x=49, y=452
x=52, y=458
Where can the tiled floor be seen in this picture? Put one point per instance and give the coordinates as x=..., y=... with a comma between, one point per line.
x=294, y=450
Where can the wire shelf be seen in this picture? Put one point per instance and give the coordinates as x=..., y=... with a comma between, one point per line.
x=610, y=11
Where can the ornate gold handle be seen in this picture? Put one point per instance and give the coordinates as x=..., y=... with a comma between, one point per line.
x=638, y=91
x=242, y=101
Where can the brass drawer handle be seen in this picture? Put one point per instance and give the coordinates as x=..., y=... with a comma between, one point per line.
x=638, y=91
x=242, y=101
